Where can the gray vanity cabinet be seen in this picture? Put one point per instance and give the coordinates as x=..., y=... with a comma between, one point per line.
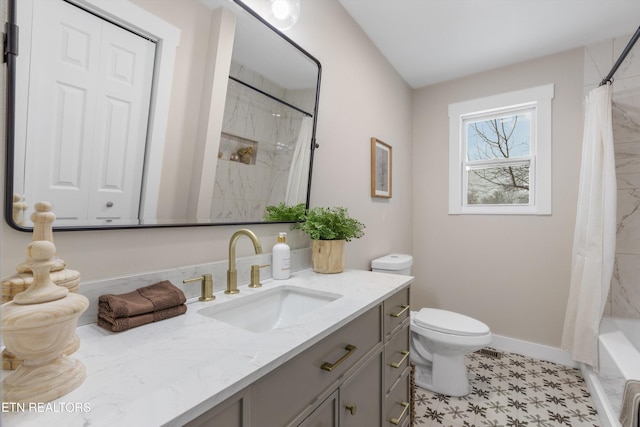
x=397, y=371
x=356, y=377
x=356, y=403
x=233, y=412
x=286, y=395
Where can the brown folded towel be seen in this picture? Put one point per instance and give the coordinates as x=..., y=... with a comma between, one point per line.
x=148, y=299
x=119, y=324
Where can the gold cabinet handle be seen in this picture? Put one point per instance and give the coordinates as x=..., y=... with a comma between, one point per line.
x=404, y=308
x=405, y=354
x=351, y=408
x=396, y=421
x=326, y=366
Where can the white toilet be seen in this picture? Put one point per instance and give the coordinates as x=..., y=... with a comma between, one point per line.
x=440, y=339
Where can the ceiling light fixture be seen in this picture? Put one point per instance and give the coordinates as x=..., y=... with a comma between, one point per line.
x=283, y=14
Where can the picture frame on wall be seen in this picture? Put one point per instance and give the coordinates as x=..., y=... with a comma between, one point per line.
x=381, y=169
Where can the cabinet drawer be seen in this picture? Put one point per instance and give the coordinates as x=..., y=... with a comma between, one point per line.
x=396, y=357
x=398, y=409
x=293, y=387
x=396, y=310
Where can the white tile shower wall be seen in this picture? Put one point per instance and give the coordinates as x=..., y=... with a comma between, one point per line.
x=300, y=260
x=624, y=297
x=247, y=189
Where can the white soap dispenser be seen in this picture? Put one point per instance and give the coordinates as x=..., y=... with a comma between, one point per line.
x=281, y=258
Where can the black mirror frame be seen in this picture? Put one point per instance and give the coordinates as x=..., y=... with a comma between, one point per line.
x=11, y=52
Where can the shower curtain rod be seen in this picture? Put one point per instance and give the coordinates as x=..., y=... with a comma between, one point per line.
x=268, y=95
x=623, y=55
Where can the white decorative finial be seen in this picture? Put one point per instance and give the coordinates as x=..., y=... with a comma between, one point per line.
x=41, y=255
x=42, y=220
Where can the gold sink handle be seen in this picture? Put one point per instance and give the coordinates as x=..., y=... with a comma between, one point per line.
x=255, y=275
x=206, y=289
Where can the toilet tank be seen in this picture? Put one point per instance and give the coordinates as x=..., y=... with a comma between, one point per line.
x=393, y=263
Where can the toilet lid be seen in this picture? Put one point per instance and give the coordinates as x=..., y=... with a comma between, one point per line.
x=449, y=322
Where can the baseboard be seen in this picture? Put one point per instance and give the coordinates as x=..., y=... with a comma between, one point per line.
x=530, y=349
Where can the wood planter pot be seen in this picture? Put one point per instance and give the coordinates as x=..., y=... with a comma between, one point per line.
x=327, y=256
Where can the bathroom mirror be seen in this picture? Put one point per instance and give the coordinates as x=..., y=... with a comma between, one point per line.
x=149, y=113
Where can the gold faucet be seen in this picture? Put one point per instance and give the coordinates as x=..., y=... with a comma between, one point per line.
x=206, y=289
x=232, y=273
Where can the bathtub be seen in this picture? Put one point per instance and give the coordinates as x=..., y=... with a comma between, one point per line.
x=619, y=352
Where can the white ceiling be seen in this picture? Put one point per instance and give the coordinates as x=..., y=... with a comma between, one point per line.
x=430, y=41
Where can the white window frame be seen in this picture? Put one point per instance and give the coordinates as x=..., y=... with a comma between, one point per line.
x=539, y=99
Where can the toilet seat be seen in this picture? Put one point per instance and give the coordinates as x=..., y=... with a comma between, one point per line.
x=448, y=322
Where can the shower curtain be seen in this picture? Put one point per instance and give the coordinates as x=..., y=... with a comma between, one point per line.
x=595, y=231
x=299, y=172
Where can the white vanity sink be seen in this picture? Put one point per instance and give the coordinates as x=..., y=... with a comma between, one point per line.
x=269, y=309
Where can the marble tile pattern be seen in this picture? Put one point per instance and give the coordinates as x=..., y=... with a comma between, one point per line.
x=613, y=387
x=624, y=296
x=511, y=391
x=612, y=381
x=243, y=190
x=168, y=372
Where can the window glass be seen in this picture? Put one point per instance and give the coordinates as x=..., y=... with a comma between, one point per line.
x=503, y=185
x=494, y=143
x=504, y=137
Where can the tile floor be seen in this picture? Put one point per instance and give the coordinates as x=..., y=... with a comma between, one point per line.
x=511, y=391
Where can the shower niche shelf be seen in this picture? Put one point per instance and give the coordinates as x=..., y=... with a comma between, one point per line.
x=235, y=148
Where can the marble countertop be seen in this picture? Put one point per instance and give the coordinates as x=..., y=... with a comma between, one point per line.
x=169, y=372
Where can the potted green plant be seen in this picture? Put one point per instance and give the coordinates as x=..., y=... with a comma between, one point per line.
x=285, y=213
x=330, y=229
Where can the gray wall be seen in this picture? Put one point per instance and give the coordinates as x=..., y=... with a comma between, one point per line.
x=509, y=271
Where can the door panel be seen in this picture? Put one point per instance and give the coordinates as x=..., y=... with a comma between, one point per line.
x=94, y=102
x=59, y=107
x=124, y=87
